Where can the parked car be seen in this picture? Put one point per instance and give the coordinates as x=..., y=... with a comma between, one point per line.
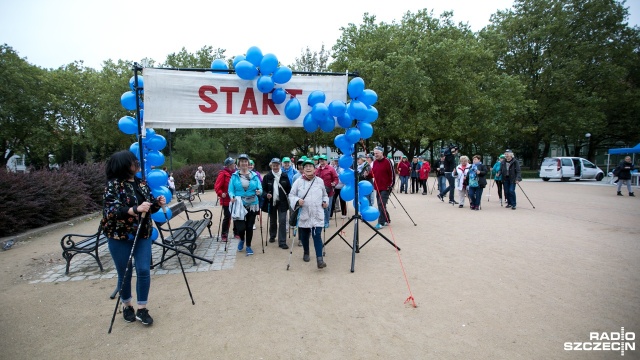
x=569, y=168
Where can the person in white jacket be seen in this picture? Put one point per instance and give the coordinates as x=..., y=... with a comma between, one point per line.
x=309, y=193
x=461, y=173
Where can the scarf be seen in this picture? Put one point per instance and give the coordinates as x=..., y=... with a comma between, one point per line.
x=276, y=185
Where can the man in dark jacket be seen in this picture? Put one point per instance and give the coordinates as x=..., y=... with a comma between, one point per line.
x=623, y=172
x=511, y=176
x=276, y=187
x=449, y=166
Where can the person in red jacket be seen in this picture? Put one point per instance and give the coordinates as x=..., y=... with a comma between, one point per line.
x=404, y=170
x=221, y=188
x=424, y=174
x=330, y=177
x=383, y=180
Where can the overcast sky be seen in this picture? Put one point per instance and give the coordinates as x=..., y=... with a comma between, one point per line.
x=52, y=33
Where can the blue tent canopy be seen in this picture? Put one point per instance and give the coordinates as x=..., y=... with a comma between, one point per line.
x=633, y=150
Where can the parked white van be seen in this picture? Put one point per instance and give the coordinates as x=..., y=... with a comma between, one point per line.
x=569, y=168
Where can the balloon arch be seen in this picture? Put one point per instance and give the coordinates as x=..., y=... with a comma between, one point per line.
x=356, y=117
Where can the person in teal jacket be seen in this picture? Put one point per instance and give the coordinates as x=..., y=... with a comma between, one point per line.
x=245, y=189
x=498, y=176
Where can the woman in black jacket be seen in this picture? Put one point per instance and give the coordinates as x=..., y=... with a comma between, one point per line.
x=127, y=204
x=623, y=170
x=276, y=188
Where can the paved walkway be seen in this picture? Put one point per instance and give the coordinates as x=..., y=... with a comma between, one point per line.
x=84, y=267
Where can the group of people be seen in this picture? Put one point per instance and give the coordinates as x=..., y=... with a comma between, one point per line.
x=471, y=178
x=417, y=170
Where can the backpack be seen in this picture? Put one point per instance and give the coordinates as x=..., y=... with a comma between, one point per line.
x=473, y=177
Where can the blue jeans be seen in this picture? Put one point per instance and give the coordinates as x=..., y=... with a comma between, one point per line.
x=451, y=188
x=442, y=183
x=404, y=183
x=120, y=251
x=383, y=218
x=328, y=211
x=509, y=190
x=317, y=239
x=475, y=194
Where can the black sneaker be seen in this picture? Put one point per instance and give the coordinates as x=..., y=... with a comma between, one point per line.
x=284, y=246
x=440, y=197
x=508, y=206
x=144, y=317
x=272, y=240
x=129, y=313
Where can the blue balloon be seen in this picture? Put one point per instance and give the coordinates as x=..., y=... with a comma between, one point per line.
x=369, y=97
x=162, y=190
x=265, y=84
x=366, y=130
x=309, y=124
x=353, y=135
x=292, y=109
x=156, y=178
x=316, y=97
x=364, y=202
x=344, y=120
x=254, y=55
x=345, y=161
x=319, y=111
x=347, y=193
x=154, y=232
x=156, y=142
x=282, y=75
x=337, y=108
x=327, y=124
x=155, y=158
x=219, y=65
x=135, y=149
x=340, y=141
x=132, y=82
x=347, y=177
x=150, y=132
x=364, y=187
x=246, y=70
x=158, y=216
x=357, y=110
x=128, y=100
x=237, y=59
x=370, y=213
x=128, y=125
x=278, y=96
x=355, y=87
x=268, y=64
x=372, y=114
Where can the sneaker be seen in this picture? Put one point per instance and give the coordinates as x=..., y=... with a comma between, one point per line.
x=513, y=208
x=344, y=217
x=380, y=226
x=254, y=227
x=620, y=193
x=460, y=206
x=424, y=193
x=240, y=245
x=249, y=251
x=508, y=206
x=326, y=226
x=299, y=242
x=440, y=197
x=272, y=240
x=236, y=237
x=284, y=246
x=631, y=194
x=143, y=316
x=306, y=257
x=454, y=202
x=224, y=238
x=128, y=313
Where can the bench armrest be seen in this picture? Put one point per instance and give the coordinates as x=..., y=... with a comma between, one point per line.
x=190, y=235
x=67, y=241
x=207, y=213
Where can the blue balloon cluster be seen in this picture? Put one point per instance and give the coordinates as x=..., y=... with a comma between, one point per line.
x=152, y=145
x=267, y=73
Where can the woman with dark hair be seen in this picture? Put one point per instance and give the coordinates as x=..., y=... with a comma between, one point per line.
x=127, y=200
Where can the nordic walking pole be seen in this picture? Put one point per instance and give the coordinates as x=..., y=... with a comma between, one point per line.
x=133, y=247
x=164, y=210
x=490, y=187
x=293, y=240
x=525, y=194
x=219, y=223
x=231, y=205
x=268, y=222
x=405, y=210
x=435, y=180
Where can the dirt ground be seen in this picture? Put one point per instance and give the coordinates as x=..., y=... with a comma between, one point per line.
x=489, y=284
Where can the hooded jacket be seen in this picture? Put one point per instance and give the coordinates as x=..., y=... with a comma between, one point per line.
x=222, y=185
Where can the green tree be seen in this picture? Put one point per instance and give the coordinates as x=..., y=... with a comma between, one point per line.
x=194, y=148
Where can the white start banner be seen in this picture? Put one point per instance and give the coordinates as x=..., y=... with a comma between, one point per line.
x=190, y=99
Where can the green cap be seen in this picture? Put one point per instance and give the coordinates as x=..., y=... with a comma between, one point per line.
x=315, y=157
x=308, y=161
x=251, y=162
x=322, y=157
x=389, y=156
x=286, y=159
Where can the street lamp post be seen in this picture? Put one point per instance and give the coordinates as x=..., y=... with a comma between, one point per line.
x=588, y=137
x=171, y=130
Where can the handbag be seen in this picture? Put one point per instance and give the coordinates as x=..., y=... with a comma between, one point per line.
x=293, y=218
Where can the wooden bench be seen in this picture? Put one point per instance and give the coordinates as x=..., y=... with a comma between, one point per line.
x=185, y=235
x=74, y=244
x=187, y=194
